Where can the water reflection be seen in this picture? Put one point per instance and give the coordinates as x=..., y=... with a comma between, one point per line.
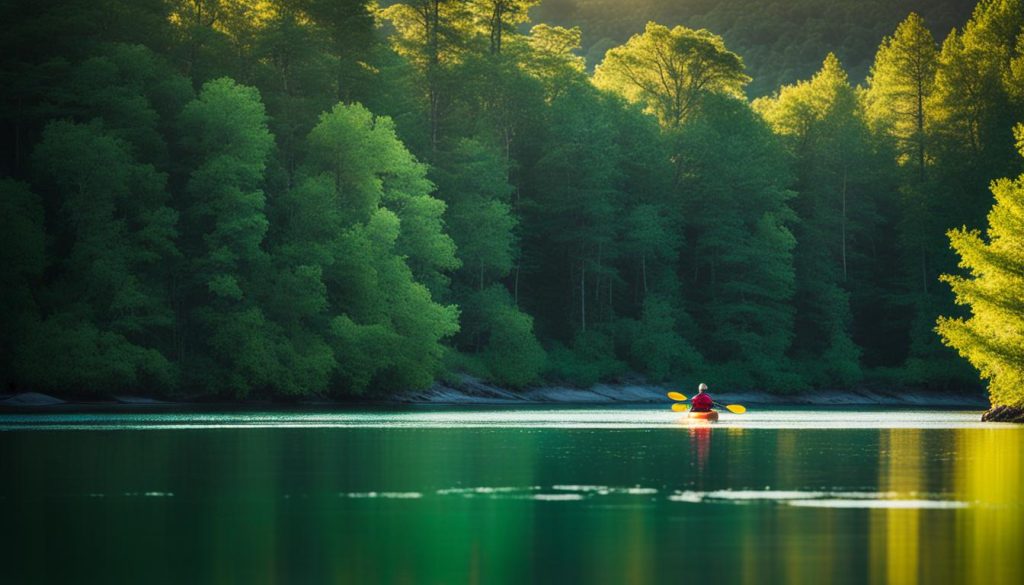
x=514, y=505
x=991, y=477
x=700, y=445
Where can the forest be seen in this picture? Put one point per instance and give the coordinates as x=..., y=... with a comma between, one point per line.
x=280, y=198
x=781, y=41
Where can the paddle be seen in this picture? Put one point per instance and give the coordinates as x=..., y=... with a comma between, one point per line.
x=733, y=408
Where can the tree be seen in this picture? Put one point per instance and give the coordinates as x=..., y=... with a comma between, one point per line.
x=363, y=155
x=508, y=349
x=363, y=220
x=296, y=74
x=108, y=313
x=498, y=18
x=231, y=347
x=992, y=338
x=350, y=28
x=669, y=71
x=971, y=105
x=432, y=34
x=551, y=58
x=472, y=181
x=900, y=87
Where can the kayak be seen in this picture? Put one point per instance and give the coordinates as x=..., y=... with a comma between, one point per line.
x=710, y=416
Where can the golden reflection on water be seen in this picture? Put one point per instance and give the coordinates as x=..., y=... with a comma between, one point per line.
x=982, y=543
x=990, y=475
x=895, y=532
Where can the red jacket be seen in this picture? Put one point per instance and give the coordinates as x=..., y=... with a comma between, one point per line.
x=702, y=402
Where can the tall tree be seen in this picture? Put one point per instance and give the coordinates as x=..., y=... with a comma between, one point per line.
x=900, y=87
x=551, y=58
x=229, y=345
x=670, y=70
x=432, y=34
x=350, y=28
x=362, y=151
x=498, y=18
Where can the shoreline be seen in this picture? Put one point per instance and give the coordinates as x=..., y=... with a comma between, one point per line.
x=472, y=392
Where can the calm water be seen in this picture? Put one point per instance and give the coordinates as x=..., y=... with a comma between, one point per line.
x=512, y=496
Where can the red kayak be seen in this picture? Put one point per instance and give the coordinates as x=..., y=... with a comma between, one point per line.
x=710, y=416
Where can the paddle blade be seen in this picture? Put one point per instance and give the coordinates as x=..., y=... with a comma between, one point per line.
x=679, y=407
x=736, y=408
x=677, y=396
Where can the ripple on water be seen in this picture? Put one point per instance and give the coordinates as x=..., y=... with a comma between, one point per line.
x=384, y=495
x=818, y=499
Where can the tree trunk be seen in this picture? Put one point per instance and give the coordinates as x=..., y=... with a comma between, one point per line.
x=920, y=129
x=643, y=271
x=844, y=223
x=515, y=286
x=433, y=21
x=496, y=18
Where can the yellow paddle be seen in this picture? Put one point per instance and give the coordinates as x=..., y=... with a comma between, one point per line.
x=733, y=408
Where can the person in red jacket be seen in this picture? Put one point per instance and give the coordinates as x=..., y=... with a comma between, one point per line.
x=702, y=401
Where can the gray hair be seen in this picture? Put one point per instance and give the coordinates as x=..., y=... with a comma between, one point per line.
x=702, y=386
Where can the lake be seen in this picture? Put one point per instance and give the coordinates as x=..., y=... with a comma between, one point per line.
x=498, y=495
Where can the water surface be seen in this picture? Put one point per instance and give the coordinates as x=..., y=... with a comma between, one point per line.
x=566, y=495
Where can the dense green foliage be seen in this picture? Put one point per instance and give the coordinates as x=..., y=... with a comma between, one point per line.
x=992, y=338
x=781, y=41
x=313, y=197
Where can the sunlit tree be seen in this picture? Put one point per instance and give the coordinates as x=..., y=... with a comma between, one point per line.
x=669, y=70
x=992, y=337
x=900, y=87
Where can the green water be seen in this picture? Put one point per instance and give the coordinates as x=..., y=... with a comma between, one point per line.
x=511, y=496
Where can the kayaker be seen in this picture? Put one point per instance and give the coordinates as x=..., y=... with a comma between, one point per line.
x=702, y=401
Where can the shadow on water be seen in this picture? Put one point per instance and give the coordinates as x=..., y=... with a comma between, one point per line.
x=670, y=503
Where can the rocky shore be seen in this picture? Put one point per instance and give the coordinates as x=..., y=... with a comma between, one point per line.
x=1004, y=414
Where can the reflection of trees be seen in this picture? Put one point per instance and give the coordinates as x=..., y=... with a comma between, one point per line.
x=990, y=474
x=980, y=544
x=895, y=532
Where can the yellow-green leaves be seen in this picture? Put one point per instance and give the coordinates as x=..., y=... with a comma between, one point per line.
x=901, y=83
x=992, y=338
x=669, y=70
